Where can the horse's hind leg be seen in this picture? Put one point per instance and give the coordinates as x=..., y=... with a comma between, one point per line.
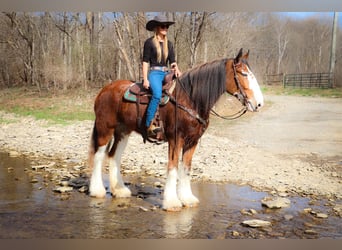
x=96, y=187
x=184, y=187
x=97, y=153
x=117, y=186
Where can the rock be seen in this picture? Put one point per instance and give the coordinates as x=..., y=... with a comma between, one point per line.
x=38, y=167
x=321, y=215
x=310, y=231
x=235, y=234
x=62, y=189
x=43, y=166
x=253, y=211
x=307, y=224
x=14, y=154
x=277, y=202
x=307, y=210
x=288, y=217
x=338, y=209
x=256, y=223
x=83, y=189
x=143, y=209
x=34, y=180
x=64, y=183
x=248, y=212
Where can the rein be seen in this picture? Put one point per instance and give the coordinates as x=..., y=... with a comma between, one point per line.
x=190, y=111
x=230, y=117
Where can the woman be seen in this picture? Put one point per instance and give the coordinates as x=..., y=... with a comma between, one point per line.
x=157, y=55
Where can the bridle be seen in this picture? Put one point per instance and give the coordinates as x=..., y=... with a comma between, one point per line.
x=240, y=95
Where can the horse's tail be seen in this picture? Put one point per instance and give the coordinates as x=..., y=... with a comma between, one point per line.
x=93, y=146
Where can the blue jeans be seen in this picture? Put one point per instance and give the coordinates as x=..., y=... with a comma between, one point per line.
x=155, y=78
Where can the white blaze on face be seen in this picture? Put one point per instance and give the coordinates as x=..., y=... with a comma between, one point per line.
x=254, y=86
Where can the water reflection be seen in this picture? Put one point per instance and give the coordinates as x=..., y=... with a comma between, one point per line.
x=15, y=185
x=178, y=225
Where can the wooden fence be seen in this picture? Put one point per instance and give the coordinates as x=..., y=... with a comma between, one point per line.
x=308, y=80
x=275, y=79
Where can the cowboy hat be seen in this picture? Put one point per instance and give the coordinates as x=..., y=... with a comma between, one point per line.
x=157, y=21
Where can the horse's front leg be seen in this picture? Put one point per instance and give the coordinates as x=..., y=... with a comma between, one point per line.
x=117, y=185
x=171, y=201
x=184, y=185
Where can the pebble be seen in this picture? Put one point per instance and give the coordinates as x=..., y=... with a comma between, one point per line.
x=248, y=211
x=307, y=224
x=321, y=215
x=13, y=154
x=338, y=209
x=62, y=189
x=83, y=189
x=307, y=210
x=256, y=223
x=235, y=234
x=276, y=202
x=288, y=217
x=64, y=183
x=34, y=180
x=143, y=209
x=310, y=231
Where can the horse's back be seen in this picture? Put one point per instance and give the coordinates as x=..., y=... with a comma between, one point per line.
x=112, y=90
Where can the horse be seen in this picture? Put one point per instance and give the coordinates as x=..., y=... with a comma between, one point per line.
x=185, y=119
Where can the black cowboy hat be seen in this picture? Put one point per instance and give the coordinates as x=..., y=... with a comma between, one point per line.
x=157, y=21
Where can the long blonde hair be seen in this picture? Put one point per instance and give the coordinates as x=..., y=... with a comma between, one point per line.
x=165, y=48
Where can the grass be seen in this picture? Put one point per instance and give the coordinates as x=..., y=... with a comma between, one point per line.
x=77, y=105
x=280, y=90
x=61, y=108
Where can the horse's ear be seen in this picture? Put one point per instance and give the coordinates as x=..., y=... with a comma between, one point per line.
x=245, y=56
x=238, y=57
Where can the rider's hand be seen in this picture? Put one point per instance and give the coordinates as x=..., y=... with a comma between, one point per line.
x=176, y=70
x=146, y=84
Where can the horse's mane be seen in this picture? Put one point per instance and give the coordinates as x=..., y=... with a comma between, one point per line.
x=204, y=85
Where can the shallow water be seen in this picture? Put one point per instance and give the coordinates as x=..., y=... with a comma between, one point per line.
x=30, y=209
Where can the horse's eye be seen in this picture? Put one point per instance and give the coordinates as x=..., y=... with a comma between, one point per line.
x=244, y=74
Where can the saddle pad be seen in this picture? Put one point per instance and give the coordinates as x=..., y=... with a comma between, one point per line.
x=131, y=96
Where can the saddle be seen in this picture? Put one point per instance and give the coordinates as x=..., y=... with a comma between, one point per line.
x=137, y=93
x=141, y=96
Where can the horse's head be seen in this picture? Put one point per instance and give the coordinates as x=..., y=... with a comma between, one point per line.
x=242, y=83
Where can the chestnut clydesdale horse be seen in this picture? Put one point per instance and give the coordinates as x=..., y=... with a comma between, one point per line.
x=185, y=118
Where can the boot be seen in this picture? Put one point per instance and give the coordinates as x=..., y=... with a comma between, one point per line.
x=152, y=130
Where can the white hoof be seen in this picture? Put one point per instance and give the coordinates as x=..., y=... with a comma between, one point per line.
x=98, y=192
x=172, y=205
x=123, y=192
x=189, y=201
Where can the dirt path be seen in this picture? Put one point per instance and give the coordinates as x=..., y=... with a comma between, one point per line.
x=294, y=145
